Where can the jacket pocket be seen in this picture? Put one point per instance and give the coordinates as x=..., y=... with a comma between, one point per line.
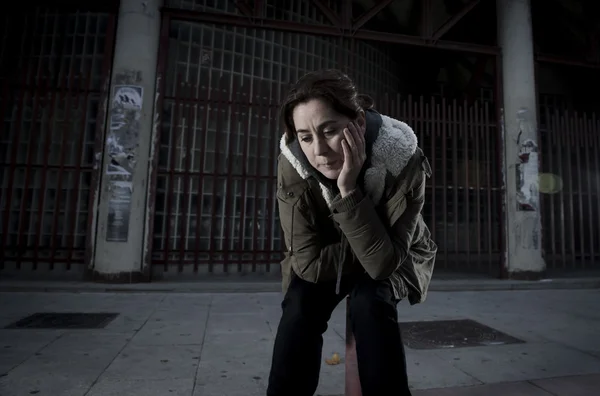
x=291, y=202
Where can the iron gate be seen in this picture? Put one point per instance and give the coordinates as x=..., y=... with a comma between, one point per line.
x=215, y=207
x=54, y=71
x=570, y=190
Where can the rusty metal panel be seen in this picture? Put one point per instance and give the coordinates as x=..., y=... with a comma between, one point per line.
x=51, y=81
x=570, y=190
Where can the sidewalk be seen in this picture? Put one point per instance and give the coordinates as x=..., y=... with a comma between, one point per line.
x=219, y=344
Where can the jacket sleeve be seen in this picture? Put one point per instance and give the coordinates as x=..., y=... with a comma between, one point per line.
x=380, y=248
x=312, y=255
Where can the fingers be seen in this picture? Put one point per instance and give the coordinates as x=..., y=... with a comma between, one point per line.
x=356, y=142
x=347, y=153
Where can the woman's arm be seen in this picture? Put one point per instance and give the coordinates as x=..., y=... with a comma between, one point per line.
x=313, y=256
x=312, y=253
x=380, y=249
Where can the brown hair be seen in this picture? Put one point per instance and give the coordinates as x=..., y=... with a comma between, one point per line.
x=331, y=85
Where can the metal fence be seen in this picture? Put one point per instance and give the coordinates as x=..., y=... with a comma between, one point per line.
x=571, y=190
x=215, y=204
x=53, y=74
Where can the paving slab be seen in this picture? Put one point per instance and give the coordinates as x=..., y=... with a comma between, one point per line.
x=583, y=385
x=517, y=362
x=125, y=387
x=153, y=362
x=512, y=389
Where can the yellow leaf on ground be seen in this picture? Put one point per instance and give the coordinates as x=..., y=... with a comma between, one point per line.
x=335, y=359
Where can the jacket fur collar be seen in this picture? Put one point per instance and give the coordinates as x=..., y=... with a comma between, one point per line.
x=392, y=148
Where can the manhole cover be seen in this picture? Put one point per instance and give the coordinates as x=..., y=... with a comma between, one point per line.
x=54, y=320
x=452, y=334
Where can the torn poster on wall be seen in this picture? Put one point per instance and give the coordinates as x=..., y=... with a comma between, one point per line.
x=528, y=177
x=119, y=206
x=121, y=145
x=122, y=139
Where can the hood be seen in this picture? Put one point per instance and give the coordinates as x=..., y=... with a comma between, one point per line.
x=392, y=146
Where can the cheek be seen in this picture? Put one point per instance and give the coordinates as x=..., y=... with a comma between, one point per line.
x=336, y=144
x=308, y=153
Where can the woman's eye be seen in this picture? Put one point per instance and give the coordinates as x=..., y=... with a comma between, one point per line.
x=329, y=133
x=305, y=139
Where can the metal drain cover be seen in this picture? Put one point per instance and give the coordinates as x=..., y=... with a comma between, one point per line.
x=443, y=334
x=64, y=320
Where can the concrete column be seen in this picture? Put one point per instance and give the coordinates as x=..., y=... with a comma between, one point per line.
x=118, y=249
x=523, y=218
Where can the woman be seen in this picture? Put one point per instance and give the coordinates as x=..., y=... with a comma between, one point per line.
x=351, y=186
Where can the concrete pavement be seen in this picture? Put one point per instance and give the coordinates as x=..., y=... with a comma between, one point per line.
x=209, y=344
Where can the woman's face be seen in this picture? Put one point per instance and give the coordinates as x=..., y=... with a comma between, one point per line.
x=320, y=131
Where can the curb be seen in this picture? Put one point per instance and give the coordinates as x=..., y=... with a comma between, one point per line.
x=465, y=285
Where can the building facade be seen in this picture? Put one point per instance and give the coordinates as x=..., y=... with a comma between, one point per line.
x=139, y=139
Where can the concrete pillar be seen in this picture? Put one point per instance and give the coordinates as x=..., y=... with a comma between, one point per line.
x=523, y=218
x=119, y=241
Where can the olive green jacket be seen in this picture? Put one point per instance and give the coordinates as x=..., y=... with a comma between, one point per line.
x=385, y=235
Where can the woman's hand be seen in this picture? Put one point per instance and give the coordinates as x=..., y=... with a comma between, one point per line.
x=353, y=147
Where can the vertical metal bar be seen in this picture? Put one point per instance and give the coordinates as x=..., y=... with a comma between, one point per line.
x=465, y=135
x=80, y=150
x=8, y=192
x=550, y=144
x=220, y=102
x=99, y=133
x=588, y=145
x=67, y=96
x=569, y=147
x=560, y=137
x=477, y=123
x=595, y=132
x=489, y=185
x=445, y=128
x=186, y=142
x=171, y=169
x=229, y=191
x=233, y=179
x=435, y=119
x=156, y=143
x=272, y=120
x=455, y=112
x=244, y=180
x=577, y=132
x=36, y=97
x=47, y=143
x=207, y=99
x=258, y=175
x=500, y=160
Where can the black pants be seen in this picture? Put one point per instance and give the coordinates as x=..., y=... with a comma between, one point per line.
x=307, y=308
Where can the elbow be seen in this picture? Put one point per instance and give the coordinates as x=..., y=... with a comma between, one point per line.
x=384, y=268
x=381, y=275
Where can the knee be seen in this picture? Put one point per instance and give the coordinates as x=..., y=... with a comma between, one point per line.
x=374, y=301
x=302, y=314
